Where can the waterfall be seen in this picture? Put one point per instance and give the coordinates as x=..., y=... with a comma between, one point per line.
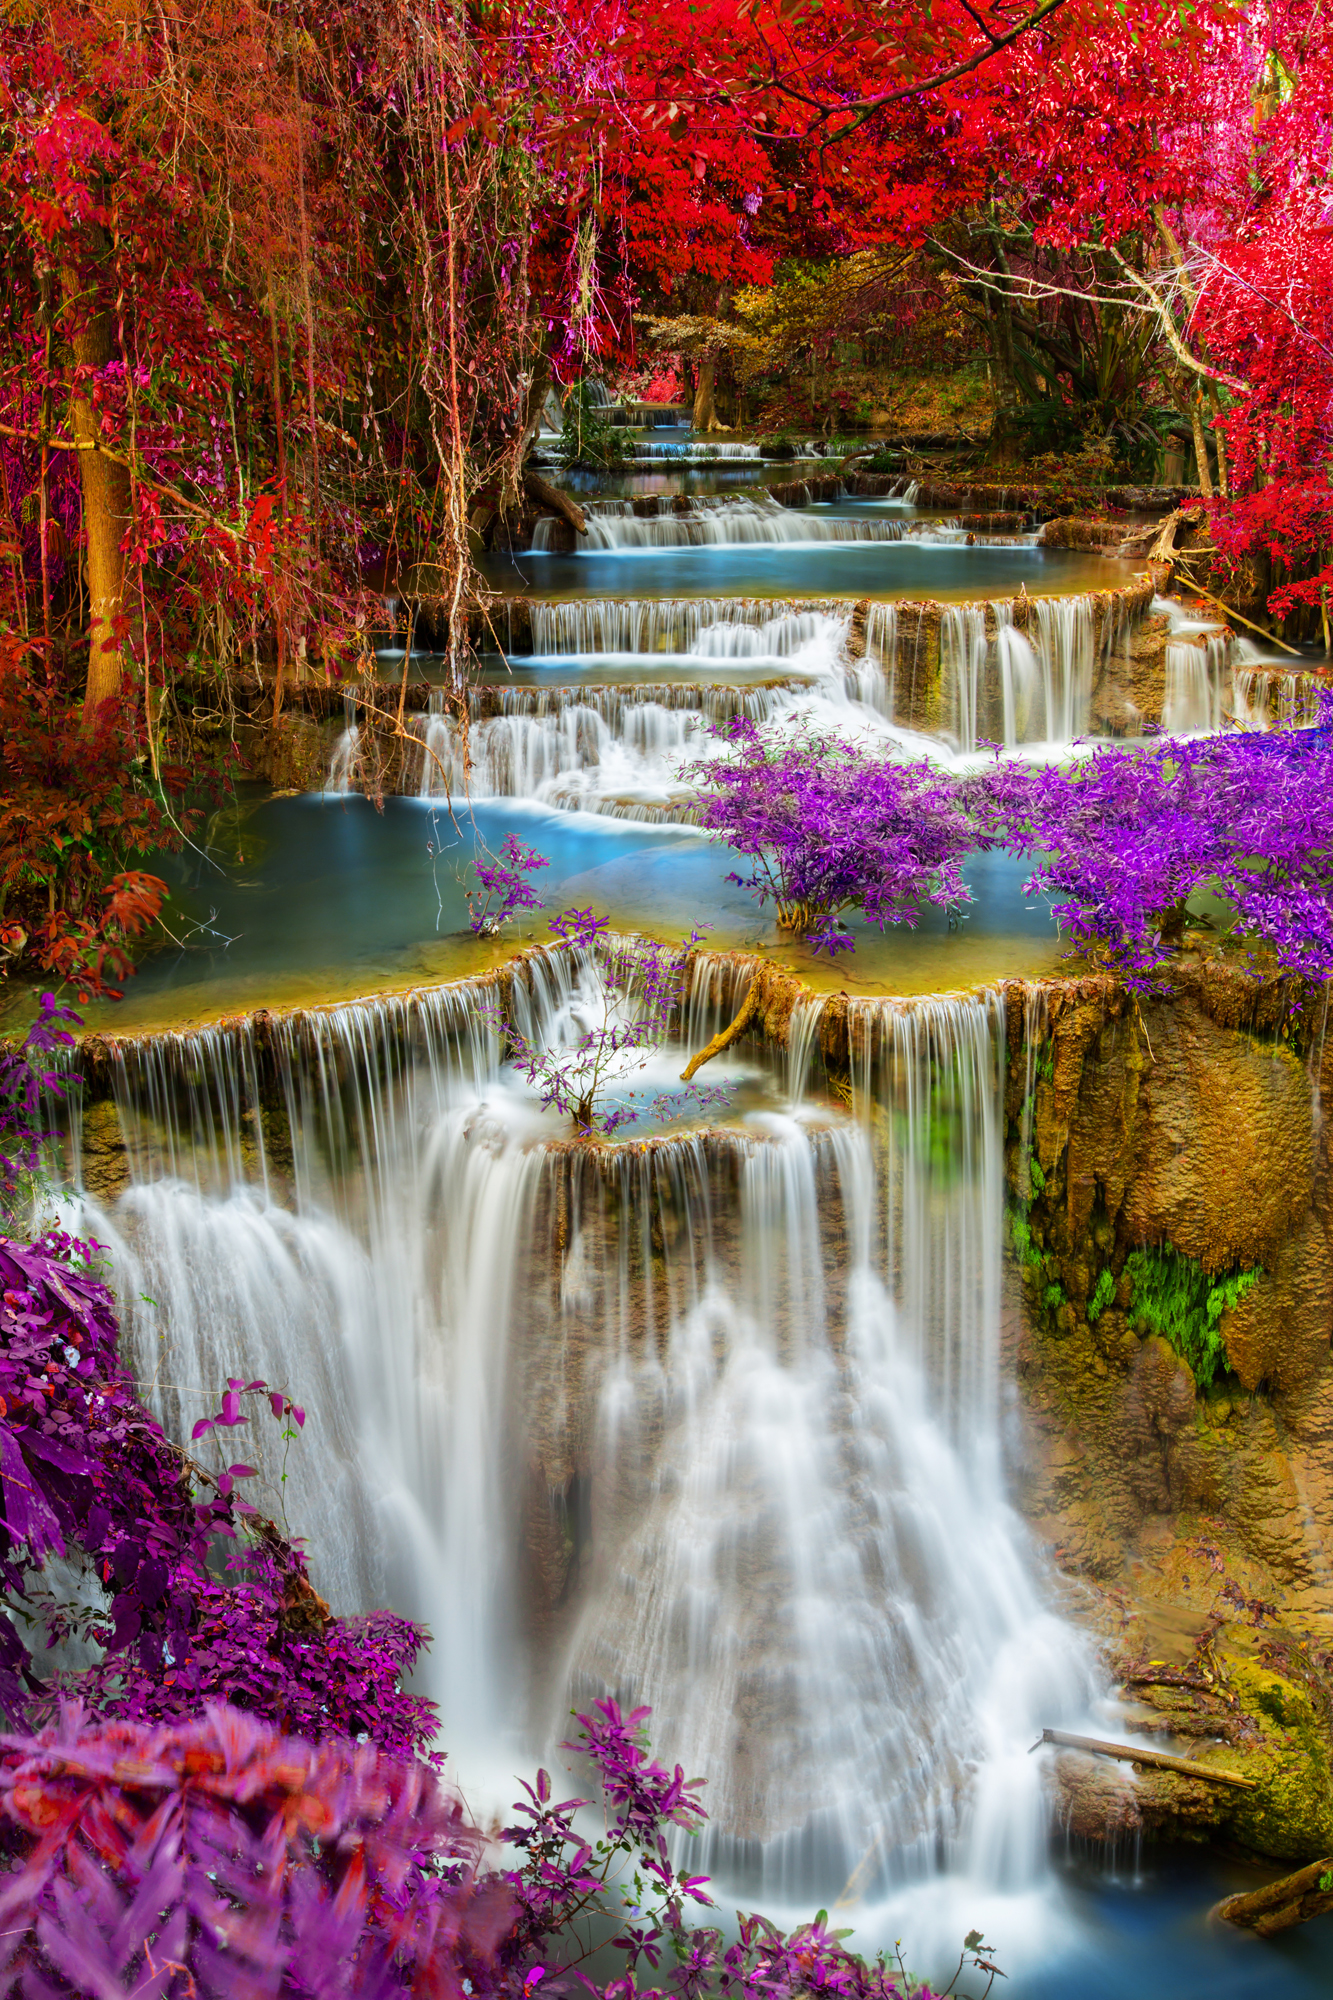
x=1065, y=643
x=696, y=452
x=694, y=626
x=1041, y=688
x=711, y=1421
x=618, y=750
x=1197, y=678
x=1273, y=697
x=963, y=652
x=615, y=527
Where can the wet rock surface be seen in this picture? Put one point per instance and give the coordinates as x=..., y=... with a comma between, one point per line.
x=1195, y=1513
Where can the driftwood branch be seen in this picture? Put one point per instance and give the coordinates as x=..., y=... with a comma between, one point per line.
x=1229, y=612
x=555, y=502
x=1133, y=1753
x=750, y=1009
x=1293, y=1899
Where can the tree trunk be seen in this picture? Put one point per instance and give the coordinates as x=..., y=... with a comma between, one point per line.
x=1201, y=451
x=106, y=509
x=705, y=403
x=550, y=497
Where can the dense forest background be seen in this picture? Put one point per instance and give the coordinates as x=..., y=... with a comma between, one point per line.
x=289, y=289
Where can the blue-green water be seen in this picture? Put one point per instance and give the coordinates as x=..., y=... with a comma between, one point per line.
x=323, y=896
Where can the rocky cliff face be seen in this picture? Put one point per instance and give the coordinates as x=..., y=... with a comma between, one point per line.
x=1169, y=1334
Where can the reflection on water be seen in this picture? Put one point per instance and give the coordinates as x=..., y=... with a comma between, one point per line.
x=323, y=897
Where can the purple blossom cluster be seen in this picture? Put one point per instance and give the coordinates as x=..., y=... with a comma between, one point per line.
x=1120, y=840
x=831, y=826
x=1123, y=840
x=504, y=886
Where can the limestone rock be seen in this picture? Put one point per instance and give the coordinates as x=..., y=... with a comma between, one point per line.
x=1277, y=1336
x=1224, y=1158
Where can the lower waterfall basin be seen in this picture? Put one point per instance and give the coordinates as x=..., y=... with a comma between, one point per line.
x=319, y=897
x=1103, y=1929
x=945, y=571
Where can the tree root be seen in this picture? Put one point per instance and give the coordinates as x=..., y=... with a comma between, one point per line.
x=751, y=1008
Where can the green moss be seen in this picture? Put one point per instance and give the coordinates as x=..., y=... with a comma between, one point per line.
x=1103, y=1293
x=1053, y=1298
x=1020, y=1235
x=1036, y=1175
x=1175, y=1297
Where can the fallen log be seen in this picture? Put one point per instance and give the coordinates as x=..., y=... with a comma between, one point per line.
x=554, y=501
x=1292, y=1899
x=1133, y=1753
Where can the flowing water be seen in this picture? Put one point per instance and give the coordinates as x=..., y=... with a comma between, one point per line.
x=758, y=1366
x=716, y=1419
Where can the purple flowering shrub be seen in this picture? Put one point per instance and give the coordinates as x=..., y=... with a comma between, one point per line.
x=832, y=826
x=1124, y=839
x=504, y=887
x=218, y=1857
x=1120, y=841
x=88, y=1476
x=618, y=1032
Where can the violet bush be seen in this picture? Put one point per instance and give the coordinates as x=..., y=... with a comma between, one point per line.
x=629, y=1018
x=831, y=826
x=215, y=1858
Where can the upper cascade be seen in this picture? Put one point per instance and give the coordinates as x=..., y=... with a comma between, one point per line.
x=734, y=522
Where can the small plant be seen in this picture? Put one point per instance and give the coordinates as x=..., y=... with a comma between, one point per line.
x=504, y=888
x=589, y=438
x=24, y=1078
x=1103, y=1293
x=628, y=1012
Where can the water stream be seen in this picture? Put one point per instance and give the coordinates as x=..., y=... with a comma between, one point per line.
x=714, y=1419
x=759, y=1376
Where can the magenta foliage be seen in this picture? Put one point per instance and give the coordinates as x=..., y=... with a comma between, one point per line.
x=506, y=885
x=23, y=1080
x=218, y=1857
x=88, y=1474
x=831, y=826
x=1124, y=839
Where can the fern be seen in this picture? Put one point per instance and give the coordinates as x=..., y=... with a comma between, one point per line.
x=1101, y=1298
x=1175, y=1297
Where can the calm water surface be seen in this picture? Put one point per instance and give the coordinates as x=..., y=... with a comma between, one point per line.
x=322, y=897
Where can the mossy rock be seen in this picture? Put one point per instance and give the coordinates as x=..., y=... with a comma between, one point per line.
x=1290, y=1815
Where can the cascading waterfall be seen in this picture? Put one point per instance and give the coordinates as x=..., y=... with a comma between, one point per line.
x=1198, y=681
x=619, y=750
x=1269, y=697
x=699, y=627
x=614, y=526
x=1018, y=687
x=696, y=452
x=1064, y=639
x=757, y=1368
x=963, y=654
